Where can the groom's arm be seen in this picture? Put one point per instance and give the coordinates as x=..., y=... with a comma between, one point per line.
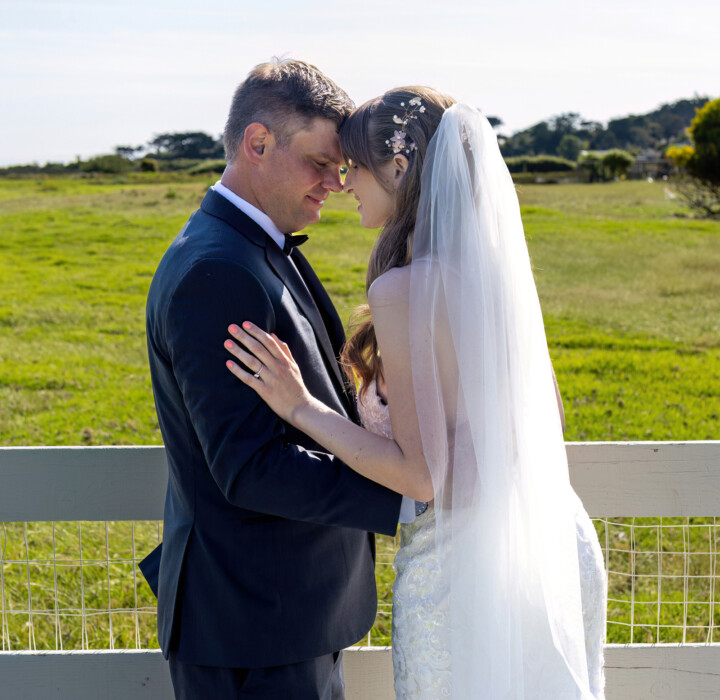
x=241, y=438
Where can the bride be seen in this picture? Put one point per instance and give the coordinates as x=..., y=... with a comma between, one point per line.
x=500, y=587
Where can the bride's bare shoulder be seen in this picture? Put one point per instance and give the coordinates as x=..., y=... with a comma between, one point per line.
x=391, y=288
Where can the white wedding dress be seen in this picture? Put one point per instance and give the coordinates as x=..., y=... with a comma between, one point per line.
x=421, y=637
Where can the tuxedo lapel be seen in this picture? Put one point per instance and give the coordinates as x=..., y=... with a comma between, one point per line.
x=294, y=282
x=331, y=321
x=330, y=317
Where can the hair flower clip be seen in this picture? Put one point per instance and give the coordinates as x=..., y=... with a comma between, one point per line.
x=399, y=141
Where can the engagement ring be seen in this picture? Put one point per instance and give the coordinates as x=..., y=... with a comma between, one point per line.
x=257, y=374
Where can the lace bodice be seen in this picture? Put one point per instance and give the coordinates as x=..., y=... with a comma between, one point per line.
x=374, y=412
x=421, y=596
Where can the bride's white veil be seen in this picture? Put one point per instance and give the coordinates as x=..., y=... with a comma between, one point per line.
x=491, y=429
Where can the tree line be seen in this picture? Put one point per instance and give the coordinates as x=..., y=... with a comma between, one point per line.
x=684, y=134
x=192, y=151
x=567, y=135
x=187, y=144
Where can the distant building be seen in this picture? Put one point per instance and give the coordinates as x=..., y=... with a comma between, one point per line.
x=650, y=163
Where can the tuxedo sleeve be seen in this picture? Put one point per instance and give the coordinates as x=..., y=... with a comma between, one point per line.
x=241, y=438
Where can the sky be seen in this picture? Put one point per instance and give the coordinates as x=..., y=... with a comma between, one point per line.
x=80, y=77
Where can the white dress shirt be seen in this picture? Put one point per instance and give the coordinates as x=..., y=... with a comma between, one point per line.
x=259, y=217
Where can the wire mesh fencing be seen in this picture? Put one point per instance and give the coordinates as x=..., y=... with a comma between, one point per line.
x=76, y=585
x=663, y=584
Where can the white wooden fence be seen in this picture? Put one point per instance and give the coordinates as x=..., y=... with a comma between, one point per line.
x=128, y=483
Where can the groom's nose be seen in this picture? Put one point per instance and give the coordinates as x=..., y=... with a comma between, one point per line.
x=332, y=180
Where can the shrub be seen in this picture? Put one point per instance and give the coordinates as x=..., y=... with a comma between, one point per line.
x=617, y=162
x=177, y=164
x=701, y=196
x=113, y=164
x=590, y=167
x=544, y=178
x=54, y=168
x=699, y=184
x=679, y=155
x=539, y=164
x=208, y=166
x=149, y=165
x=704, y=163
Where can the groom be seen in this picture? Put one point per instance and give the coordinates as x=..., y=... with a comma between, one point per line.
x=267, y=568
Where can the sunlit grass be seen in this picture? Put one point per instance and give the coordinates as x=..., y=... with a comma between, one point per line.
x=629, y=286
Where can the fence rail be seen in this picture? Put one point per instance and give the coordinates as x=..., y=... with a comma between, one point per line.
x=614, y=480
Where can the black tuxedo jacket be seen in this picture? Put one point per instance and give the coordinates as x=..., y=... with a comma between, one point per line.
x=267, y=557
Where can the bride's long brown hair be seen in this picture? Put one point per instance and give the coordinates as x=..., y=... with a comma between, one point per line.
x=365, y=140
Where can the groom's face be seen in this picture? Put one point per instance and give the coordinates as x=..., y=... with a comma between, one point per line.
x=295, y=180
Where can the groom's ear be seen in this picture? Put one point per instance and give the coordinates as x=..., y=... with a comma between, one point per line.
x=255, y=141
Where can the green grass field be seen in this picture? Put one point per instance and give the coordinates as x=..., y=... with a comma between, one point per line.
x=629, y=283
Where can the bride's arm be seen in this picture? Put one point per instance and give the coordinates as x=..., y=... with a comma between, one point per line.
x=398, y=464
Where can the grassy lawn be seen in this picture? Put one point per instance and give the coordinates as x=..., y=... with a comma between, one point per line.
x=630, y=288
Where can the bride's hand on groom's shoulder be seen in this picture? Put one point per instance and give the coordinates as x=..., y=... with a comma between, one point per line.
x=267, y=366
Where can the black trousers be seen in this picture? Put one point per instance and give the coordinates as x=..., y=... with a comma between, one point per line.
x=316, y=679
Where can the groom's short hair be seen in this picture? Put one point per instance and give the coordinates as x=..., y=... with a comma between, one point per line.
x=285, y=96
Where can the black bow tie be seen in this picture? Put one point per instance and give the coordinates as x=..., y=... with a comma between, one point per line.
x=292, y=240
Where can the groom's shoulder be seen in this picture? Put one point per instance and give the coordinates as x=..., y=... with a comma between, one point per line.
x=206, y=236
x=206, y=246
